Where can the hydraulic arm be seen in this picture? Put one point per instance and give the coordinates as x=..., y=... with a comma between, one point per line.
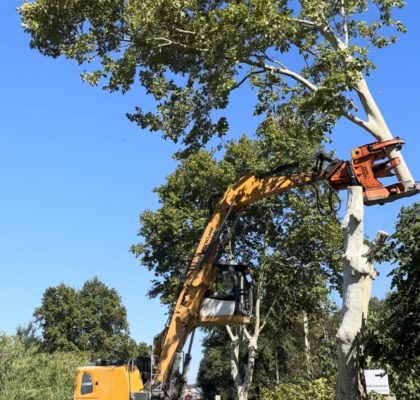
x=195, y=304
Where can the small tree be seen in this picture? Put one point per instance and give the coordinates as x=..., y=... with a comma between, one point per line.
x=91, y=319
x=60, y=318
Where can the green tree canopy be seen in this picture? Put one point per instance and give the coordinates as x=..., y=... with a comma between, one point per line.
x=403, y=303
x=190, y=55
x=91, y=319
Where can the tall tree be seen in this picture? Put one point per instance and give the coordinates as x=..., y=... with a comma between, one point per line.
x=60, y=318
x=190, y=55
x=91, y=319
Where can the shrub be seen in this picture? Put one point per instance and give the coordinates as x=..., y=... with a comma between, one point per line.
x=27, y=373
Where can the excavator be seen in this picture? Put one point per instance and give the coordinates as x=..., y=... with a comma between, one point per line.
x=199, y=302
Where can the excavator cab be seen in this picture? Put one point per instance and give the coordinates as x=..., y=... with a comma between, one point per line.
x=229, y=301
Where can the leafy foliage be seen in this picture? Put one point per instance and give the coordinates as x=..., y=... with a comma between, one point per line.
x=281, y=355
x=403, y=304
x=214, y=377
x=91, y=319
x=190, y=55
x=318, y=389
x=30, y=374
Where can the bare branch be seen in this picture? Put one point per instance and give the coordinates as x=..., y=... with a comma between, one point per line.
x=282, y=71
x=267, y=315
x=170, y=41
x=326, y=31
x=275, y=61
x=232, y=337
x=247, y=334
x=305, y=22
x=250, y=366
x=183, y=31
x=363, y=124
x=344, y=22
x=246, y=77
x=379, y=240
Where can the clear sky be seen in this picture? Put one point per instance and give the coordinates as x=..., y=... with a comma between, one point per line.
x=75, y=173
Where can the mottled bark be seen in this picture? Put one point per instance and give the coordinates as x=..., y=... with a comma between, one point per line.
x=357, y=284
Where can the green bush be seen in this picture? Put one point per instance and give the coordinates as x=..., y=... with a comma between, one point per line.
x=27, y=373
x=318, y=389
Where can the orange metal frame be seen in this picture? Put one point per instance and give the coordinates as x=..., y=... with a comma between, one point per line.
x=365, y=171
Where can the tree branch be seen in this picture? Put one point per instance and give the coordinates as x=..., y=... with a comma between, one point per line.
x=267, y=315
x=170, y=41
x=309, y=24
x=183, y=31
x=364, y=124
x=379, y=240
x=344, y=22
x=247, y=334
x=275, y=62
x=251, y=364
x=282, y=71
x=232, y=337
x=247, y=77
x=360, y=122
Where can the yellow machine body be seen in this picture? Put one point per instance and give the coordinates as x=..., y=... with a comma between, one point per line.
x=106, y=383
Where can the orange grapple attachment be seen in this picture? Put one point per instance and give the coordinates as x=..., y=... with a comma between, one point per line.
x=365, y=170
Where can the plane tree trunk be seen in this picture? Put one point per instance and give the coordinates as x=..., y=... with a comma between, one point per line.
x=357, y=284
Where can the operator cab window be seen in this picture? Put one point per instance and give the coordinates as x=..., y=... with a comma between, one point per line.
x=86, y=387
x=222, y=288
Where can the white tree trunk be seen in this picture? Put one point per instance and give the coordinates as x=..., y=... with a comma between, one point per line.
x=241, y=334
x=307, y=344
x=357, y=284
x=277, y=369
x=242, y=384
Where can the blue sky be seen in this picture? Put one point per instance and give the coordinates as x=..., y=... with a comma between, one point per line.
x=75, y=173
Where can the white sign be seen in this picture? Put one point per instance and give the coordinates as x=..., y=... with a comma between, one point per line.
x=376, y=380
x=217, y=397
